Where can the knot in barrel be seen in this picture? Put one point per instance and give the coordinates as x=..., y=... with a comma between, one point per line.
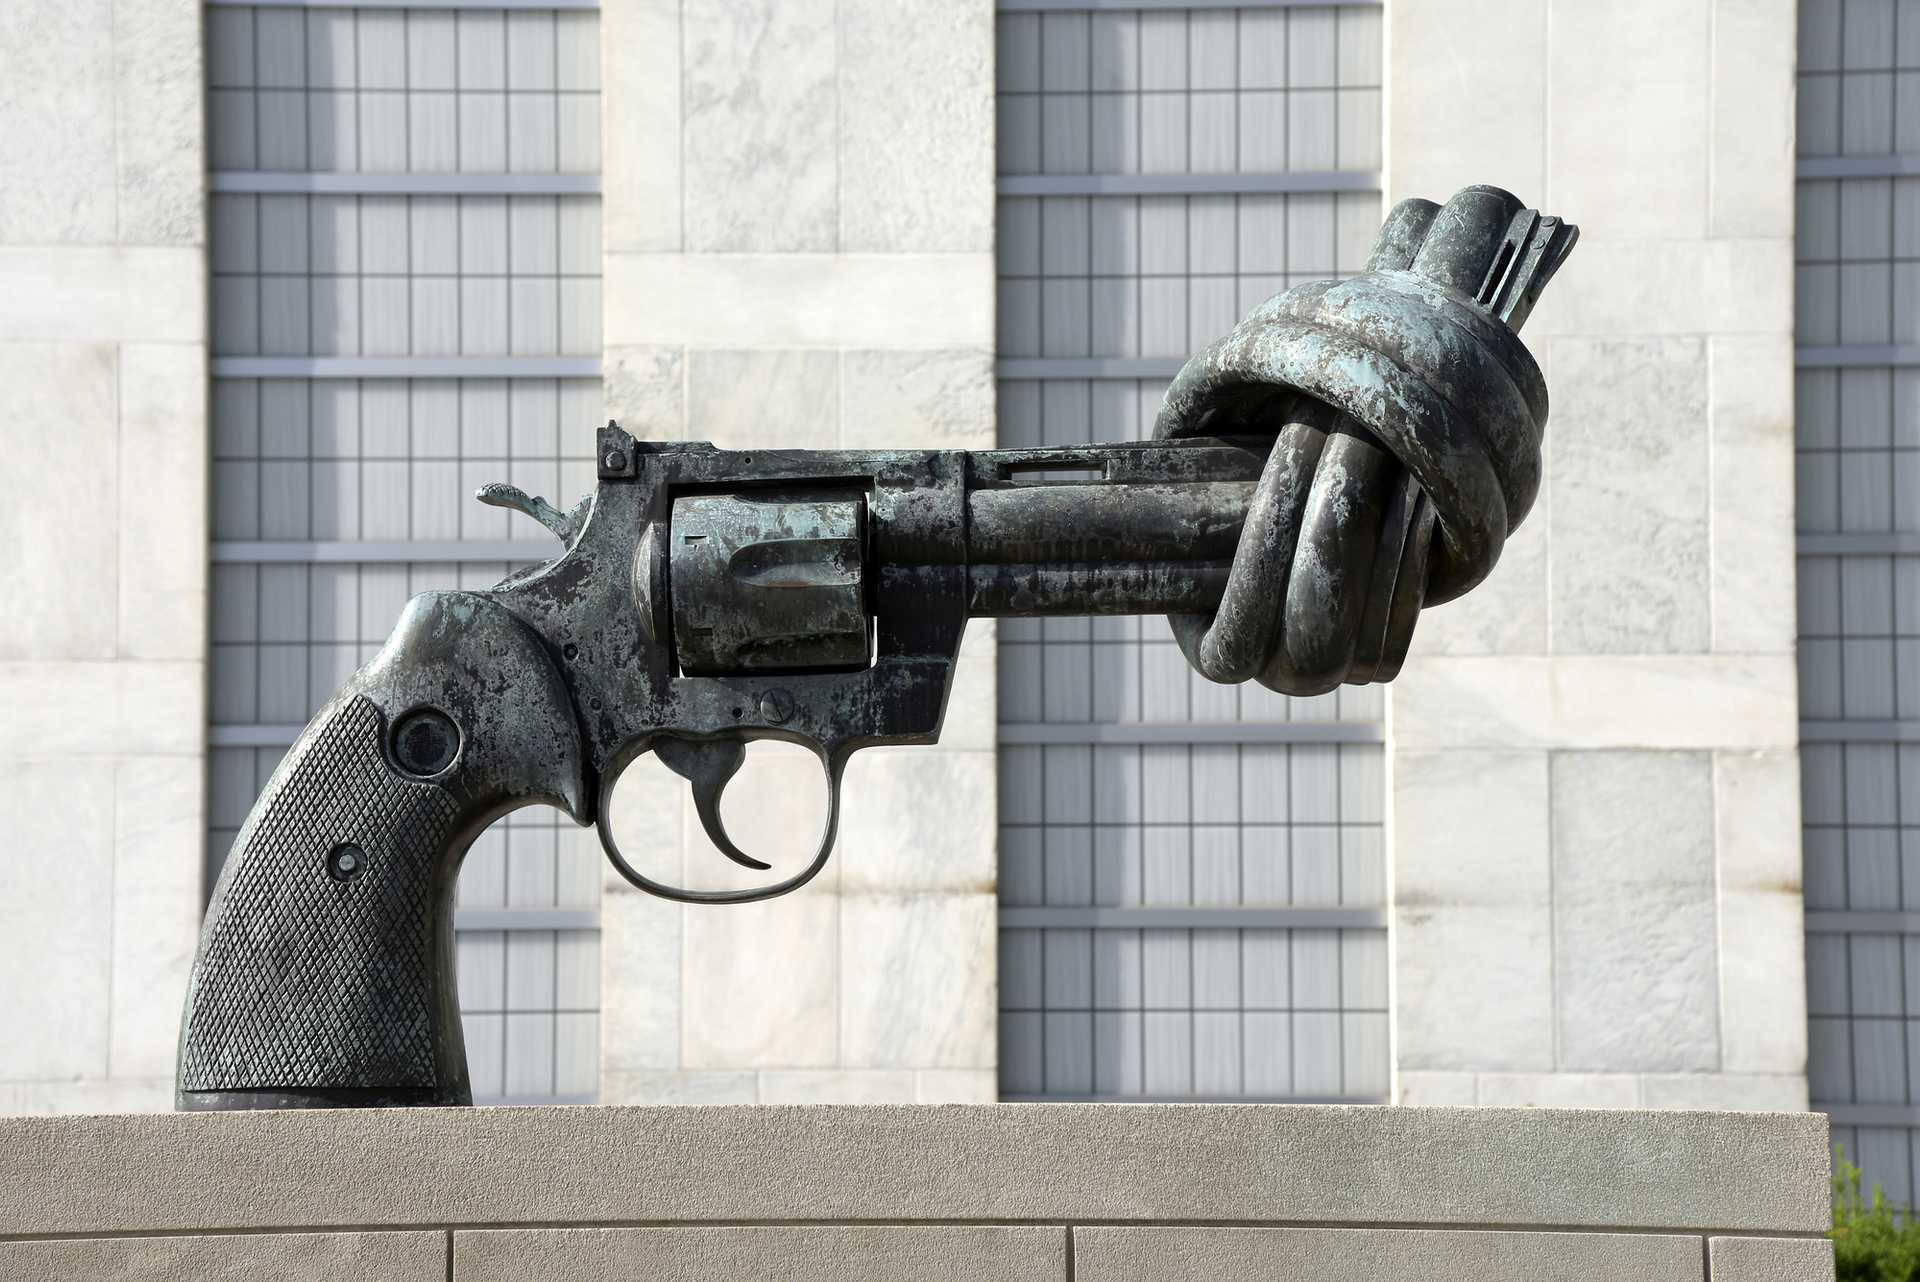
x=1405, y=417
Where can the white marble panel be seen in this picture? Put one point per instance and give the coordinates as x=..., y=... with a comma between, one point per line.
x=626, y=1086
x=1750, y=417
x=90, y=1095
x=102, y=294
x=640, y=959
x=1493, y=129
x=917, y=399
x=1492, y=851
x=1636, y=985
x=1641, y=288
x=135, y=708
x=159, y=133
x=740, y=301
x=916, y=109
x=1557, y=1090
x=159, y=840
x=918, y=819
x=1727, y=1092
x=1752, y=126
x=646, y=391
x=56, y=955
x=748, y=400
x=1414, y=1089
x=761, y=984
x=761, y=156
x=1473, y=987
x=1763, y=1027
x=640, y=104
x=650, y=818
x=836, y=1086
x=1628, y=92
x=1630, y=493
x=56, y=61
x=1441, y=700
x=1597, y=701
x=918, y=975
x=1472, y=920
x=956, y=1086
x=972, y=722
x=61, y=404
x=162, y=501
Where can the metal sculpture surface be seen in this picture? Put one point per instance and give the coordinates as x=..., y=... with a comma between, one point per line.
x=1352, y=451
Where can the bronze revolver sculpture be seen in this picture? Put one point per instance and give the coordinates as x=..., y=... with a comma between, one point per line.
x=1353, y=451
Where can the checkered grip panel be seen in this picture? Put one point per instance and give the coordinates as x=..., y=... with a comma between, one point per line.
x=305, y=981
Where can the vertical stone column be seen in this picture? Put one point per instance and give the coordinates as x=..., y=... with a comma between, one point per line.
x=1595, y=823
x=799, y=253
x=103, y=546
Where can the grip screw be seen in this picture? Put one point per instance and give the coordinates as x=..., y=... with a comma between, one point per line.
x=346, y=861
x=425, y=742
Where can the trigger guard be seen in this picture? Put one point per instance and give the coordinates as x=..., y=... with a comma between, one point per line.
x=833, y=762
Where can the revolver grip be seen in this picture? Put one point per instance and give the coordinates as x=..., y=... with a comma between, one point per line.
x=325, y=974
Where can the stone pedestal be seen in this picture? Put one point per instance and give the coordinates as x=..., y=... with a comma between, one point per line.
x=887, y=1193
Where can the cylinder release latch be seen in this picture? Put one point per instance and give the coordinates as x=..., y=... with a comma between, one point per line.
x=769, y=583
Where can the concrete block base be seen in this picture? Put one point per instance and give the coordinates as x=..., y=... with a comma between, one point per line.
x=885, y=1193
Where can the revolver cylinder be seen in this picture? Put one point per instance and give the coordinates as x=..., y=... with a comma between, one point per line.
x=770, y=582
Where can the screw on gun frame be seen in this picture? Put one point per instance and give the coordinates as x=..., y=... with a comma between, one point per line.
x=424, y=742
x=346, y=861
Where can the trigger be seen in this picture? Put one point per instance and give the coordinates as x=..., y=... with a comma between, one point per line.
x=708, y=765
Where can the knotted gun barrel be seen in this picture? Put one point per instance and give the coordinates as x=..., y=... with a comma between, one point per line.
x=1352, y=451
x=1406, y=419
x=1399, y=418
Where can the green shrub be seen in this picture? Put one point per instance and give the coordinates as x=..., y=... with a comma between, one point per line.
x=1870, y=1242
